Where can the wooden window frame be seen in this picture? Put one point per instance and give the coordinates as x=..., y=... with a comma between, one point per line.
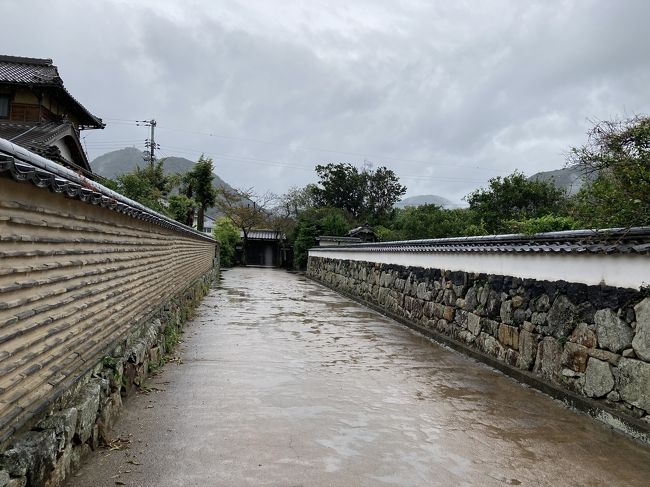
x=8, y=114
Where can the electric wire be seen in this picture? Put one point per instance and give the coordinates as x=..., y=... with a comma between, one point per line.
x=302, y=148
x=258, y=161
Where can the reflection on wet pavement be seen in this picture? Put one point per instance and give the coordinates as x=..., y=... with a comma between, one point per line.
x=286, y=383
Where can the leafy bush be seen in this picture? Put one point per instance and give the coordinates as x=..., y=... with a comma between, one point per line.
x=546, y=223
x=514, y=198
x=618, y=153
x=228, y=236
x=385, y=234
x=432, y=221
x=313, y=223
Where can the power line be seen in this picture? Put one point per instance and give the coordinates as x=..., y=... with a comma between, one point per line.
x=317, y=149
x=151, y=142
x=120, y=145
x=152, y=146
x=268, y=162
x=114, y=141
x=120, y=121
x=305, y=148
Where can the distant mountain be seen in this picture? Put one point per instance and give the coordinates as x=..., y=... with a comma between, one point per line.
x=115, y=163
x=112, y=164
x=571, y=179
x=426, y=199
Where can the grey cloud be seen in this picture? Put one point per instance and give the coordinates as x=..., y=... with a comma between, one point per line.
x=499, y=85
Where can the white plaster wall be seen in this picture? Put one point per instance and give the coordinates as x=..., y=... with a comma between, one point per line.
x=619, y=270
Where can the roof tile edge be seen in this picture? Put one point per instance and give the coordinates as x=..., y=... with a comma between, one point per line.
x=47, y=174
x=26, y=60
x=596, y=241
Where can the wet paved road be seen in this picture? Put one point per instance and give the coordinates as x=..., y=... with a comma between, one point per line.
x=285, y=383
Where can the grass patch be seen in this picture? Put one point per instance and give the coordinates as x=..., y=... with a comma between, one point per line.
x=172, y=337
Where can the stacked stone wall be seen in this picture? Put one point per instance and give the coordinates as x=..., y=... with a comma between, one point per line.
x=572, y=340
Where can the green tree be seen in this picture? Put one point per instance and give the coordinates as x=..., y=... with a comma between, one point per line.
x=148, y=186
x=432, y=221
x=245, y=210
x=228, y=236
x=342, y=186
x=364, y=194
x=179, y=206
x=617, y=153
x=297, y=199
x=198, y=186
x=382, y=192
x=514, y=198
x=313, y=223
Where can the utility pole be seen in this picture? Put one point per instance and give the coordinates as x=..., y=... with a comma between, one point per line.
x=150, y=143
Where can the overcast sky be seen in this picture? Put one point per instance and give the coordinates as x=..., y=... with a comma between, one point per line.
x=445, y=93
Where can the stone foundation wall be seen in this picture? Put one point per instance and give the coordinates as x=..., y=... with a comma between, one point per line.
x=589, y=345
x=81, y=419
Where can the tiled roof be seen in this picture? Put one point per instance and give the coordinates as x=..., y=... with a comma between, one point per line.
x=26, y=134
x=39, y=138
x=362, y=229
x=15, y=69
x=41, y=72
x=339, y=239
x=263, y=235
x=610, y=241
x=22, y=165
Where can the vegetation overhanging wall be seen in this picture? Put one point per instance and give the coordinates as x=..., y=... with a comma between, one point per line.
x=588, y=345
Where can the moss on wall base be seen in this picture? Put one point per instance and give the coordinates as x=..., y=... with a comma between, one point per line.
x=55, y=442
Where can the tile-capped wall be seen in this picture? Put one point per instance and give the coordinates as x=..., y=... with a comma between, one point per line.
x=74, y=279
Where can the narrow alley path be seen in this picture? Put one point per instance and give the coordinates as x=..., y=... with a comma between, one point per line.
x=285, y=383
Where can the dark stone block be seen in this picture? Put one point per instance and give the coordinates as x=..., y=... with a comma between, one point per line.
x=586, y=312
x=532, y=285
x=628, y=315
x=493, y=305
x=561, y=318
x=603, y=297
x=577, y=292
x=459, y=278
x=34, y=455
x=507, y=283
x=461, y=318
x=490, y=326
x=519, y=316
x=495, y=282
x=550, y=288
x=471, y=301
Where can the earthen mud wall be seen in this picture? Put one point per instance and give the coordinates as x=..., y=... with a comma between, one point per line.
x=77, y=279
